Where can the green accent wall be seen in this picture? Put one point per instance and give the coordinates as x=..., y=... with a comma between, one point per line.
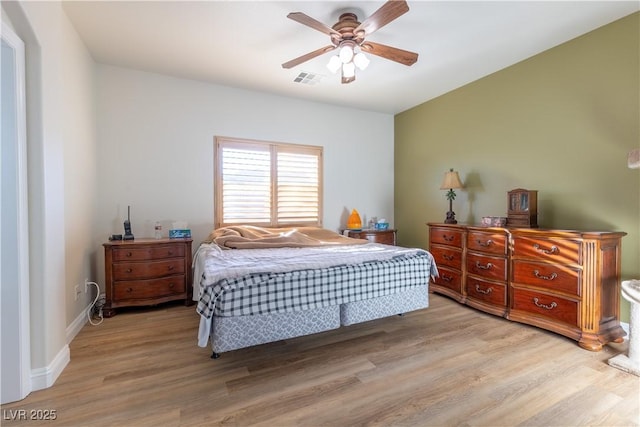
x=561, y=122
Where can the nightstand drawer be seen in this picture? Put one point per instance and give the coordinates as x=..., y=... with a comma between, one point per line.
x=556, y=277
x=444, y=236
x=490, y=243
x=147, y=270
x=385, y=237
x=141, y=289
x=148, y=253
x=445, y=256
x=487, y=266
x=547, y=305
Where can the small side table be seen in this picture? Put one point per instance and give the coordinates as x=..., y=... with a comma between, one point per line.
x=387, y=237
x=146, y=272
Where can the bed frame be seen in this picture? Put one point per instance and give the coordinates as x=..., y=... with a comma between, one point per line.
x=232, y=333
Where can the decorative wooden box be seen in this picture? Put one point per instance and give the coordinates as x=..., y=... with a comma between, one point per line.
x=522, y=208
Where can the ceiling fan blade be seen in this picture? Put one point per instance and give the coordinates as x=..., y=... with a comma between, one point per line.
x=381, y=17
x=310, y=22
x=393, y=53
x=304, y=58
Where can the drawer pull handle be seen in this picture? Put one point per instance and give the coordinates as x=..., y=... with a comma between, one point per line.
x=129, y=254
x=170, y=252
x=447, y=257
x=171, y=285
x=447, y=278
x=485, y=244
x=554, y=249
x=484, y=267
x=484, y=291
x=540, y=276
x=171, y=267
x=447, y=238
x=546, y=307
x=129, y=270
x=129, y=290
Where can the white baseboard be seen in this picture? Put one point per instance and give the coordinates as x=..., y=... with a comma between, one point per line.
x=74, y=328
x=42, y=378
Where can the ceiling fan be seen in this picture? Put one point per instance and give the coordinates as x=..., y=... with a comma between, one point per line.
x=348, y=35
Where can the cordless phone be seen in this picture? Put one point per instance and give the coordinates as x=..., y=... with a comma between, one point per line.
x=127, y=225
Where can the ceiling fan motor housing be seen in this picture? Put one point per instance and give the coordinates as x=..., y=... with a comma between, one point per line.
x=346, y=25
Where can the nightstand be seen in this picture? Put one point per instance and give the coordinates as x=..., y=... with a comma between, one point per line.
x=146, y=272
x=387, y=237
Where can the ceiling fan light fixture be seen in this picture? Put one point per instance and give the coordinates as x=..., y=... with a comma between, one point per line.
x=334, y=64
x=346, y=52
x=361, y=61
x=349, y=70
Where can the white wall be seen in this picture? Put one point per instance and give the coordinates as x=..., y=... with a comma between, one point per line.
x=156, y=136
x=80, y=168
x=60, y=126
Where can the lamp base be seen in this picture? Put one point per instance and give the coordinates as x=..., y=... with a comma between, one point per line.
x=451, y=218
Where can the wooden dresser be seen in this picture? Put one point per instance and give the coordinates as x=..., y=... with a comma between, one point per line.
x=387, y=237
x=146, y=272
x=567, y=282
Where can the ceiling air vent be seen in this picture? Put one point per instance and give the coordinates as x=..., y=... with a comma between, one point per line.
x=308, y=78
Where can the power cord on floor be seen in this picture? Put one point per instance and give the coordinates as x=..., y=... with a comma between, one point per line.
x=96, y=305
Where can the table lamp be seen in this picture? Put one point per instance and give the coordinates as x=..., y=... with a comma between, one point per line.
x=451, y=181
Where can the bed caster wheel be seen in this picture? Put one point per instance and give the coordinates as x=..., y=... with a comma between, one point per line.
x=215, y=355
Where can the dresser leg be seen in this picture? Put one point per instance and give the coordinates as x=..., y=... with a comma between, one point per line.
x=108, y=311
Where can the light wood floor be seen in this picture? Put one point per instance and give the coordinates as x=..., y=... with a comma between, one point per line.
x=445, y=365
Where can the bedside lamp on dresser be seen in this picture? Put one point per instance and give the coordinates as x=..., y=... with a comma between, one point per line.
x=451, y=182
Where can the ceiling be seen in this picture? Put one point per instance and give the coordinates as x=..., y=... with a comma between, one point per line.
x=243, y=43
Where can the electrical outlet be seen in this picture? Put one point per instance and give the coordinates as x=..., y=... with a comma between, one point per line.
x=77, y=289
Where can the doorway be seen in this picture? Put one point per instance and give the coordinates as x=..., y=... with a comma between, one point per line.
x=14, y=248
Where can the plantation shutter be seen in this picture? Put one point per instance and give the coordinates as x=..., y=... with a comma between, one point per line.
x=267, y=184
x=246, y=185
x=298, y=188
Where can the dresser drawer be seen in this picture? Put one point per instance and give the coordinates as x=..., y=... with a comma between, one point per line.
x=560, y=251
x=148, y=253
x=446, y=236
x=489, y=292
x=557, y=277
x=550, y=306
x=147, y=270
x=450, y=279
x=487, y=266
x=141, y=289
x=490, y=243
x=447, y=256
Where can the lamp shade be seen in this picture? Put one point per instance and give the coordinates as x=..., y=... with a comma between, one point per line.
x=451, y=181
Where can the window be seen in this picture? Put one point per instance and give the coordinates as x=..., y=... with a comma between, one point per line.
x=267, y=184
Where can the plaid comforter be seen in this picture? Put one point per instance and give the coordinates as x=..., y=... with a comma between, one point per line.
x=282, y=292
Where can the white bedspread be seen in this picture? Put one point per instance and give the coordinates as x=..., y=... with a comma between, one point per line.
x=216, y=263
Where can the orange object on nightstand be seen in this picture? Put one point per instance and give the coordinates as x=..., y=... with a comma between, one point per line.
x=354, y=222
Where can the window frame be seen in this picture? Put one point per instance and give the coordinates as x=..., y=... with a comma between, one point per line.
x=220, y=142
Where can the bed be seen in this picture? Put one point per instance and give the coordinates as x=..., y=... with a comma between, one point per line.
x=257, y=285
